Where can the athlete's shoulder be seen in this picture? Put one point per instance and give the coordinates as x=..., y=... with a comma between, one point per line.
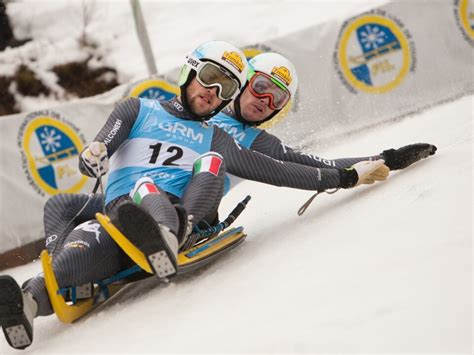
x=220, y=133
x=142, y=106
x=131, y=103
x=149, y=103
x=217, y=130
x=264, y=135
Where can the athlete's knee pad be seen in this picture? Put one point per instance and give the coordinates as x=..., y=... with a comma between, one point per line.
x=211, y=162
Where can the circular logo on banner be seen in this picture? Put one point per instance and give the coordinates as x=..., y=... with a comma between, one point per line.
x=49, y=148
x=464, y=11
x=154, y=89
x=251, y=52
x=373, y=53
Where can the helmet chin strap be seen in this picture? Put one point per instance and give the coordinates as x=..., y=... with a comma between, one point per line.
x=187, y=106
x=240, y=117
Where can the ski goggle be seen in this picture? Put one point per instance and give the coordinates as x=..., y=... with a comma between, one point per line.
x=262, y=85
x=211, y=75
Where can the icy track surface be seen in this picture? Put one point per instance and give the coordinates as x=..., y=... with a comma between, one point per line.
x=383, y=268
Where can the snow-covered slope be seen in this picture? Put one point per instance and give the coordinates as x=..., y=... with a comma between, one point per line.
x=385, y=268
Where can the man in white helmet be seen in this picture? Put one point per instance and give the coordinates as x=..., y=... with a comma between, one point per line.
x=161, y=154
x=271, y=86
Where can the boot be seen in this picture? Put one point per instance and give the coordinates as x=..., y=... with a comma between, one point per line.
x=155, y=240
x=17, y=310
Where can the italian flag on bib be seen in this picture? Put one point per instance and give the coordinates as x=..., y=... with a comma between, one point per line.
x=143, y=190
x=208, y=163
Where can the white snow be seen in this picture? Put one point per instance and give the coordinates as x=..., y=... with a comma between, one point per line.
x=385, y=268
x=382, y=269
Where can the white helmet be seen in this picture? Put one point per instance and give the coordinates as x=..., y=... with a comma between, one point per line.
x=215, y=64
x=278, y=69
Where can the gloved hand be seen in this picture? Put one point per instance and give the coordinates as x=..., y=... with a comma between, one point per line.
x=364, y=172
x=370, y=171
x=95, y=160
x=403, y=157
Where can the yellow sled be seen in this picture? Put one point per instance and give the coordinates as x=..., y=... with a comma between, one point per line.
x=188, y=260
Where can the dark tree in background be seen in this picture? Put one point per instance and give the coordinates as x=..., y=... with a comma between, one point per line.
x=6, y=33
x=7, y=38
x=76, y=77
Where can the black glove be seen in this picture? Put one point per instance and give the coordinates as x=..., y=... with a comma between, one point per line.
x=403, y=157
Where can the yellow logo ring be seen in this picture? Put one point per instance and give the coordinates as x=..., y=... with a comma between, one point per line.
x=29, y=132
x=153, y=83
x=344, y=60
x=464, y=14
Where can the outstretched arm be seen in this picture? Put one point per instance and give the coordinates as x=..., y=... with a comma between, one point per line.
x=270, y=145
x=395, y=159
x=256, y=166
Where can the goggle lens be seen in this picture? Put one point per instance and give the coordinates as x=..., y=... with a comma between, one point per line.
x=262, y=85
x=211, y=75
